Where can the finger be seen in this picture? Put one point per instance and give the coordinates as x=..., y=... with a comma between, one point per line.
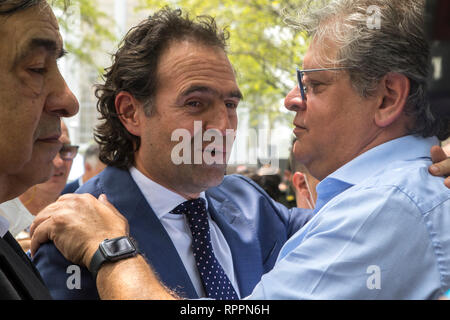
x=447, y=182
x=104, y=199
x=437, y=154
x=41, y=235
x=39, y=219
x=441, y=165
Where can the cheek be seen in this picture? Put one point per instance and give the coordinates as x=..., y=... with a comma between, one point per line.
x=31, y=85
x=67, y=166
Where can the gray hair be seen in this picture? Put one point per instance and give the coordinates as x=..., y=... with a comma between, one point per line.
x=91, y=155
x=397, y=45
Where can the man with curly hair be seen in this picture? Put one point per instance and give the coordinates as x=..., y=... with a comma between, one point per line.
x=363, y=126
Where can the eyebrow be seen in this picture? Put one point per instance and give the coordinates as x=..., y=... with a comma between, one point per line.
x=36, y=43
x=233, y=94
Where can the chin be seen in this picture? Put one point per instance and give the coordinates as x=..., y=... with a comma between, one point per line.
x=215, y=175
x=43, y=174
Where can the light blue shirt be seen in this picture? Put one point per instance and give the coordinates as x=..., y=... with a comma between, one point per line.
x=163, y=201
x=387, y=236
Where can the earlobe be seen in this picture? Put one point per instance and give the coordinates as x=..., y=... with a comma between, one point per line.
x=298, y=180
x=395, y=88
x=127, y=108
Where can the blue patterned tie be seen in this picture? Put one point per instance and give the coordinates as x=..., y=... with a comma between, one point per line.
x=215, y=281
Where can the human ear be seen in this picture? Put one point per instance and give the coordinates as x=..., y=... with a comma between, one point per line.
x=128, y=110
x=302, y=193
x=395, y=88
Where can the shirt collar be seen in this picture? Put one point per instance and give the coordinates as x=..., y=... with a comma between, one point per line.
x=376, y=159
x=161, y=199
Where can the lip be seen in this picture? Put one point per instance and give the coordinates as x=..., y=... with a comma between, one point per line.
x=299, y=129
x=51, y=138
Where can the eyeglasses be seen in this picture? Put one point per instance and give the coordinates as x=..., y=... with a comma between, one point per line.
x=303, y=87
x=68, y=152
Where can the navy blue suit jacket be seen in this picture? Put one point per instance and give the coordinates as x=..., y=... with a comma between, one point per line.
x=255, y=227
x=71, y=187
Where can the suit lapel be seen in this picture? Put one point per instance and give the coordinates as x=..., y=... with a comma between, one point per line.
x=19, y=272
x=241, y=239
x=145, y=227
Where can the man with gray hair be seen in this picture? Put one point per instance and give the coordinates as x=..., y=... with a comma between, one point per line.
x=364, y=128
x=92, y=167
x=33, y=98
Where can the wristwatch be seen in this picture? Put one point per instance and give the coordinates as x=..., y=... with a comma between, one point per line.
x=112, y=250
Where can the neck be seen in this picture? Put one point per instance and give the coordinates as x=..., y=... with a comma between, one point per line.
x=35, y=201
x=378, y=138
x=10, y=188
x=163, y=182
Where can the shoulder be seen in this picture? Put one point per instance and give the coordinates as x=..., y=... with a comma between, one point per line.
x=411, y=183
x=71, y=187
x=109, y=179
x=238, y=186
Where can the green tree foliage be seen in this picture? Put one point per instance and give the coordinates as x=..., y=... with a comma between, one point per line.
x=85, y=26
x=263, y=49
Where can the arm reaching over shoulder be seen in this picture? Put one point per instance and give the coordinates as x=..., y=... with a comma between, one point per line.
x=441, y=164
x=77, y=224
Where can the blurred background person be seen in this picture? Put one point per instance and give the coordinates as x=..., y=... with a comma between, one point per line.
x=20, y=211
x=301, y=182
x=269, y=179
x=92, y=167
x=304, y=185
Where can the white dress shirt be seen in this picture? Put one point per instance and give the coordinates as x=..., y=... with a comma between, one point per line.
x=4, y=225
x=162, y=202
x=17, y=214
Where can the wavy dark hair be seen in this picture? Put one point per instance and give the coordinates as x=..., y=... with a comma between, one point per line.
x=134, y=71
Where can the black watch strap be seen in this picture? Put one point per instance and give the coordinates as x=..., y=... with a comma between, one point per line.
x=112, y=250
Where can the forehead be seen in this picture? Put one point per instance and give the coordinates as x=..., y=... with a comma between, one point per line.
x=187, y=63
x=320, y=54
x=21, y=28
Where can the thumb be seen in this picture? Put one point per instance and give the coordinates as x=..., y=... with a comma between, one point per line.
x=438, y=156
x=104, y=200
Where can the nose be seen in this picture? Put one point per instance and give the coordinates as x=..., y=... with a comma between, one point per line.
x=58, y=162
x=61, y=101
x=293, y=100
x=222, y=119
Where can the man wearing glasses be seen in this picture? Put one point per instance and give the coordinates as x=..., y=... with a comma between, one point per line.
x=20, y=211
x=364, y=128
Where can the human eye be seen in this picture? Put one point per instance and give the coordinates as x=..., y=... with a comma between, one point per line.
x=231, y=104
x=38, y=70
x=193, y=104
x=313, y=87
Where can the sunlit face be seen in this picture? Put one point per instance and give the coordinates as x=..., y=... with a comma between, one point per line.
x=335, y=124
x=195, y=83
x=33, y=94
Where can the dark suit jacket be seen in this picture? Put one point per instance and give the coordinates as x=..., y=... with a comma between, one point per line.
x=18, y=277
x=254, y=226
x=71, y=187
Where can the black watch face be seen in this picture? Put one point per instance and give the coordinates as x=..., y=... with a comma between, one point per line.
x=118, y=247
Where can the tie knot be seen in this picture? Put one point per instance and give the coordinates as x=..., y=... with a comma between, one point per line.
x=191, y=207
